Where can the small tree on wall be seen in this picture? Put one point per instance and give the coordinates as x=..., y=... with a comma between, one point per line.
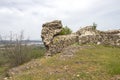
x=65, y=31
x=94, y=25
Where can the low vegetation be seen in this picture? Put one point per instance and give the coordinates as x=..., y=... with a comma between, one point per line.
x=94, y=63
x=8, y=60
x=94, y=26
x=15, y=53
x=65, y=30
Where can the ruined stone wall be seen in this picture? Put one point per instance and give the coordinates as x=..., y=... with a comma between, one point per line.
x=60, y=42
x=90, y=35
x=55, y=43
x=113, y=40
x=49, y=30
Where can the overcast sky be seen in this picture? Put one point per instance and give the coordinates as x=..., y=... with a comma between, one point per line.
x=29, y=15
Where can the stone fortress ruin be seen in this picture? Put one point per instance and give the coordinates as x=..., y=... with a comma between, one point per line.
x=55, y=43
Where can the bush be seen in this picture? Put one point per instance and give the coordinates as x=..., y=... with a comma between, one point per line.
x=65, y=31
x=37, y=52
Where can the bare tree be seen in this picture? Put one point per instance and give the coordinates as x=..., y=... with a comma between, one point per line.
x=15, y=50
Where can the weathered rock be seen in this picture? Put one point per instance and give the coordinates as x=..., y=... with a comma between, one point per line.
x=111, y=32
x=50, y=30
x=90, y=35
x=53, y=41
x=88, y=30
x=62, y=41
x=107, y=39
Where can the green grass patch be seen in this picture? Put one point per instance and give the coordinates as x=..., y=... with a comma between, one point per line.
x=37, y=52
x=2, y=69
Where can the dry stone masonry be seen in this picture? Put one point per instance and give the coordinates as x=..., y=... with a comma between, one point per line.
x=89, y=35
x=55, y=43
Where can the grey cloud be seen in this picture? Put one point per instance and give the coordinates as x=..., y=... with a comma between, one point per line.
x=29, y=15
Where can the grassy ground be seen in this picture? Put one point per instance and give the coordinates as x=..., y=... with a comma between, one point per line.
x=96, y=63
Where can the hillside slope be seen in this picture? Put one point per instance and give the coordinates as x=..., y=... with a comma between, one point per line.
x=73, y=63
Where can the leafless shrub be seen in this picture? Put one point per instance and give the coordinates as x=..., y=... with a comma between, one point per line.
x=16, y=51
